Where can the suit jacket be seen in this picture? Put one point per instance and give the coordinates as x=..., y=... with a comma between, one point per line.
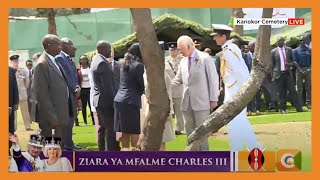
x=201, y=85
x=30, y=82
x=23, y=83
x=276, y=61
x=50, y=92
x=13, y=88
x=131, y=84
x=71, y=77
x=103, y=83
x=171, y=69
x=233, y=69
x=248, y=60
x=116, y=72
x=70, y=70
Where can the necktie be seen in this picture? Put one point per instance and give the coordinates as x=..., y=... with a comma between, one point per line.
x=30, y=74
x=189, y=64
x=284, y=58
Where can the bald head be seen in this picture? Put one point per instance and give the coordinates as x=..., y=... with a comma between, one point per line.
x=51, y=44
x=104, y=48
x=185, y=45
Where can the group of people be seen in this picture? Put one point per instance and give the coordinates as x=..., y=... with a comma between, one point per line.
x=30, y=161
x=289, y=78
x=114, y=90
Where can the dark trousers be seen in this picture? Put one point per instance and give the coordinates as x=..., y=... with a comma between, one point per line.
x=254, y=104
x=85, y=100
x=106, y=134
x=304, y=74
x=285, y=83
x=68, y=134
x=11, y=126
x=60, y=131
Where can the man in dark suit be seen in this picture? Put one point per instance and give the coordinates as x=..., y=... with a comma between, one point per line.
x=68, y=51
x=29, y=66
x=103, y=97
x=13, y=100
x=50, y=90
x=282, y=60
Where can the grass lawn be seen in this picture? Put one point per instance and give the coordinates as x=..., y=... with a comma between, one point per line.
x=274, y=130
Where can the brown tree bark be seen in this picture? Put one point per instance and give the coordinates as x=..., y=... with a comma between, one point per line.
x=157, y=96
x=52, y=28
x=232, y=108
x=238, y=13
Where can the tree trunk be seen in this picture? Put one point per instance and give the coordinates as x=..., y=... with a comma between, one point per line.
x=153, y=58
x=52, y=28
x=232, y=108
x=238, y=13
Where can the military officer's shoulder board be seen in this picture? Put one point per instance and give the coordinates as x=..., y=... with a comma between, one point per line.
x=226, y=48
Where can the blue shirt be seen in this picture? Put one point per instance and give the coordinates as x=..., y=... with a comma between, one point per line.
x=302, y=55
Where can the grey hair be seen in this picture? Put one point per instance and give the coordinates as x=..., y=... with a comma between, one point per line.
x=186, y=40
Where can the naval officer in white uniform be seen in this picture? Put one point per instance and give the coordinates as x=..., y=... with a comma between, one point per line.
x=234, y=73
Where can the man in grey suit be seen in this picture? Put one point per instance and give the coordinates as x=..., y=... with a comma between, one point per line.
x=282, y=60
x=197, y=73
x=50, y=90
x=104, y=93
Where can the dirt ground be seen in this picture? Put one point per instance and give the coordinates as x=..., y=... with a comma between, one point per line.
x=289, y=135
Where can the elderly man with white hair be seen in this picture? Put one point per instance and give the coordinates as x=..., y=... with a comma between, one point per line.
x=197, y=73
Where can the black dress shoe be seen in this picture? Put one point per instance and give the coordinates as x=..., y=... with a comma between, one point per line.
x=76, y=146
x=301, y=110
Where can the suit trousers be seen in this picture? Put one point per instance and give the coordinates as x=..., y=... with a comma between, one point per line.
x=285, y=83
x=60, y=131
x=68, y=133
x=304, y=75
x=25, y=114
x=178, y=114
x=106, y=134
x=193, y=120
x=11, y=127
x=240, y=131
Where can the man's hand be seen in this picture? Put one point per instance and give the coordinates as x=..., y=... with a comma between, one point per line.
x=77, y=93
x=213, y=104
x=14, y=139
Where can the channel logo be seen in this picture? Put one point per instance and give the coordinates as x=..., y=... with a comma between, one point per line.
x=256, y=161
x=289, y=160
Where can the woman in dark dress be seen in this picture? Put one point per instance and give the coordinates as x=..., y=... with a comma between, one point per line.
x=128, y=98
